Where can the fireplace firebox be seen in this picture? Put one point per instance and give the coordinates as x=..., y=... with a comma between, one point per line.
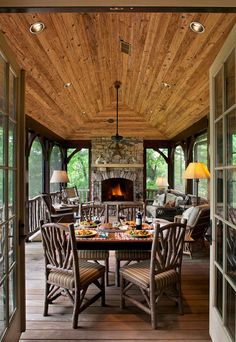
x=117, y=189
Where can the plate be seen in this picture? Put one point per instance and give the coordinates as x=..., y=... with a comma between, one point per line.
x=88, y=224
x=139, y=233
x=85, y=233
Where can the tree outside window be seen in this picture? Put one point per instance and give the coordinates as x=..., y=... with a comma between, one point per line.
x=156, y=166
x=200, y=152
x=35, y=169
x=179, y=167
x=55, y=164
x=78, y=169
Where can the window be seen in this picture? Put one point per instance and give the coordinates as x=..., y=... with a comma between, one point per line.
x=200, y=155
x=55, y=164
x=179, y=167
x=156, y=166
x=78, y=171
x=35, y=169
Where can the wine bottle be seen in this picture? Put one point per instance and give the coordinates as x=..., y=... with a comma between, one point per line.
x=138, y=220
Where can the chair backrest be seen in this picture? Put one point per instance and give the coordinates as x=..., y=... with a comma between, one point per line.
x=128, y=212
x=91, y=211
x=232, y=214
x=59, y=247
x=167, y=248
x=70, y=193
x=46, y=198
x=199, y=221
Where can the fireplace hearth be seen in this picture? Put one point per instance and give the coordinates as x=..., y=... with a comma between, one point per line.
x=117, y=189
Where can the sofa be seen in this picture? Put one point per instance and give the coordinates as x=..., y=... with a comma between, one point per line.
x=167, y=204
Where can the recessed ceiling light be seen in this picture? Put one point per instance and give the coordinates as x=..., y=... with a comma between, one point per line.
x=67, y=85
x=165, y=85
x=197, y=27
x=37, y=28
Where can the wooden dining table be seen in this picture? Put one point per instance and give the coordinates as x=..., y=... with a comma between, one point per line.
x=117, y=240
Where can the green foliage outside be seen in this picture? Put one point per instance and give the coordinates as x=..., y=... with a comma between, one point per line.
x=35, y=169
x=156, y=166
x=179, y=167
x=55, y=164
x=200, y=155
x=78, y=169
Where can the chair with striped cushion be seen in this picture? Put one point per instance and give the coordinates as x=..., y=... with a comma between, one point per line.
x=129, y=213
x=66, y=275
x=87, y=213
x=158, y=276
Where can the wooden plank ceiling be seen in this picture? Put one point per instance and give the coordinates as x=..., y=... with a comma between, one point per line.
x=84, y=49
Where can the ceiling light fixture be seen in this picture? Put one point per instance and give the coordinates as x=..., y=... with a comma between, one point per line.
x=37, y=28
x=197, y=27
x=165, y=85
x=67, y=85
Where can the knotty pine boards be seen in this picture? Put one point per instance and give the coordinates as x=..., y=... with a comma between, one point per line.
x=83, y=48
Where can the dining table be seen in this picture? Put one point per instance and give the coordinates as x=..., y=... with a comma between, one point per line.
x=116, y=239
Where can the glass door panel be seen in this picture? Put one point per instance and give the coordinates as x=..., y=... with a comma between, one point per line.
x=11, y=212
x=219, y=243
x=223, y=190
x=219, y=193
x=2, y=84
x=230, y=311
x=219, y=143
x=219, y=93
x=231, y=138
x=230, y=80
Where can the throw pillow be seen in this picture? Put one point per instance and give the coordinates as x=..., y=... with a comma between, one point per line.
x=161, y=200
x=170, y=197
x=187, y=213
x=178, y=200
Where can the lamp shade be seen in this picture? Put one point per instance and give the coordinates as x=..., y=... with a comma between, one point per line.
x=162, y=182
x=196, y=170
x=59, y=176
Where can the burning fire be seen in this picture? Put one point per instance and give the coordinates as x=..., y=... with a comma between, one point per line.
x=116, y=191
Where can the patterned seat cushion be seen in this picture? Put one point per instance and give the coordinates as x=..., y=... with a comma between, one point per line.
x=88, y=272
x=132, y=255
x=93, y=254
x=139, y=274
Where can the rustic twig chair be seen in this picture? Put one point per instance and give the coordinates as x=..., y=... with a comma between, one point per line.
x=89, y=212
x=158, y=276
x=71, y=195
x=52, y=215
x=65, y=273
x=129, y=212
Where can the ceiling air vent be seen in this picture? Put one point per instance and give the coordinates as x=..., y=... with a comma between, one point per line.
x=125, y=47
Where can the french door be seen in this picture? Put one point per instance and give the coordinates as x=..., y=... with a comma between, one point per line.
x=11, y=196
x=223, y=190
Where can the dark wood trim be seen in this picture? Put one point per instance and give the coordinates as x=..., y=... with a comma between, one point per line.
x=157, y=144
x=196, y=129
x=36, y=127
x=77, y=144
x=115, y=9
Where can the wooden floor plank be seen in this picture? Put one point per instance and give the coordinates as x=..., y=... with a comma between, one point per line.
x=110, y=323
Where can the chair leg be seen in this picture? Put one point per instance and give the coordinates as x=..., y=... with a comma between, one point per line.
x=117, y=273
x=75, y=315
x=107, y=271
x=45, y=310
x=103, y=300
x=153, y=311
x=179, y=299
x=122, y=286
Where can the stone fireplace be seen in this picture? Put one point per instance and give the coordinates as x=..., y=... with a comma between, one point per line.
x=116, y=176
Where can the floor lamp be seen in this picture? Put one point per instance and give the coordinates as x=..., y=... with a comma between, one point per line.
x=196, y=171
